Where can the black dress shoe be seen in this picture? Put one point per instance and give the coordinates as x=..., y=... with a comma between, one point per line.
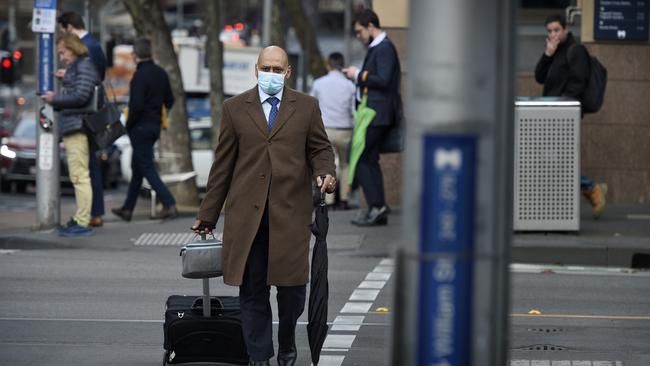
x=287, y=358
x=122, y=213
x=259, y=363
x=376, y=216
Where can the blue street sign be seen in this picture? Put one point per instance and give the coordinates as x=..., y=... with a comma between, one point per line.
x=45, y=62
x=446, y=246
x=44, y=22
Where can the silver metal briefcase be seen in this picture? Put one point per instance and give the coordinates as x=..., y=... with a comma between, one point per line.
x=202, y=258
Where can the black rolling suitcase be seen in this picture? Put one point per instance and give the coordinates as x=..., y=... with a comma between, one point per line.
x=197, y=333
x=192, y=337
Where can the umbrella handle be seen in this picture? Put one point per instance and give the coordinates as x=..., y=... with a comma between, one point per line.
x=322, y=194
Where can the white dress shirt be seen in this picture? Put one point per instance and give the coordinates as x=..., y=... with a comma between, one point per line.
x=335, y=94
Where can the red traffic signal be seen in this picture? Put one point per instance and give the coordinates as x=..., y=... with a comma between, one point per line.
x=7, y=70
x=17, y=55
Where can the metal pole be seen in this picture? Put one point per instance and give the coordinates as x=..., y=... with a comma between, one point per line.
x=347, y=29
x=48, y=190
x=89, y=22
x=179, y=14
x=453, y=262
x=266, y=23
x=12, y=24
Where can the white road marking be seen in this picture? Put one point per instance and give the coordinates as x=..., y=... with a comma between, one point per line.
x=372, y=284
x=347, y=323
x=376, y=276
x=339, y=340
x=327, y=360
x=364, y=295
x=356, y=307
x=577, y=270
x=383, y=269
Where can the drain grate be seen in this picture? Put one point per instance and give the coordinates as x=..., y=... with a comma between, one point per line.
x=545, y=330
x=542, y=347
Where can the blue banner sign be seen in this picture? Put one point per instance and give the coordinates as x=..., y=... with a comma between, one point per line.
x=45, y=62
x=446, y=246
x=625, y=20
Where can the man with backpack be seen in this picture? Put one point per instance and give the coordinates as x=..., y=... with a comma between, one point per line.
x=565, y=69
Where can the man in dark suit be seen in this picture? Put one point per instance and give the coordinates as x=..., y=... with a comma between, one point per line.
x=71, y=22
x=271, y=145
x=380, y=79
x=150, y=90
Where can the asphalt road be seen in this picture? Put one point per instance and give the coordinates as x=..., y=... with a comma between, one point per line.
x=104, y=305
x=100, y=300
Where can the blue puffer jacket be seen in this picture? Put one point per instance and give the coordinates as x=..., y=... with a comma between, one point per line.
x=77, y=88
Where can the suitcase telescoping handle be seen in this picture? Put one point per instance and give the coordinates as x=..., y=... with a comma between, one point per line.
x=206, y=288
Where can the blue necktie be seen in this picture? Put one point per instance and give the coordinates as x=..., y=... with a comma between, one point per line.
x=273, y=101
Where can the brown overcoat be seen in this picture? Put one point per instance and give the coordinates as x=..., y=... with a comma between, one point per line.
x=253, y=166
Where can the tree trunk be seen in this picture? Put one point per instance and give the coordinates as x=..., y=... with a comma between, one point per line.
x=278, y=37
x=175, y=144
x=214, y=49
x=307, y=36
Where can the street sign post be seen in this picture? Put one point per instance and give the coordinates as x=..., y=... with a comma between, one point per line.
x=452, y=276
x=48, y=166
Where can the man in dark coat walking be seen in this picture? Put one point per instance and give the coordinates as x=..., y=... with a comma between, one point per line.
x=564, y=70
x=380, y=79
x=272, y=144
x=150, y=90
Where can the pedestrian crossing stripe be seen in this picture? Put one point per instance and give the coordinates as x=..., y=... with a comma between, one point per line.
x=167, y=239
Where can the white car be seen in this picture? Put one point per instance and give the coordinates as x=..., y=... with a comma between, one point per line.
x=202, y=153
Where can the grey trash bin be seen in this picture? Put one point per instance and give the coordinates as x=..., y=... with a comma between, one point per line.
x=547, y=164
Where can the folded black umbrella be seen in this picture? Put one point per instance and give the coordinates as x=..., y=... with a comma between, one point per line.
x=318, y=286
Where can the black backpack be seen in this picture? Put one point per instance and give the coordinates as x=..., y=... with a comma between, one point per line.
x=594, y=94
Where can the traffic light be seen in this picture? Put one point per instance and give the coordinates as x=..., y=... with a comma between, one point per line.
x=7, y=70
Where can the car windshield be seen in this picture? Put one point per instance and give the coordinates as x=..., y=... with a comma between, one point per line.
x=26, y=128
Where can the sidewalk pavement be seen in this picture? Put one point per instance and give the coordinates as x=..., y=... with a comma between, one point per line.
x=620, y=238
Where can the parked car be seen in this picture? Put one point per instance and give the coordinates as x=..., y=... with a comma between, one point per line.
x=18, y=158
x=202, y=153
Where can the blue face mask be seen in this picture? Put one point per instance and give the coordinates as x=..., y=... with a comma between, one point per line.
x=270, y=82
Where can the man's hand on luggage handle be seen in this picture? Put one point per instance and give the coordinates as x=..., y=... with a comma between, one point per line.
x=201, y=226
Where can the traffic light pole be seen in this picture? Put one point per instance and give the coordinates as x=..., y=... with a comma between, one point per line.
x=452, y=275
x=48, y=164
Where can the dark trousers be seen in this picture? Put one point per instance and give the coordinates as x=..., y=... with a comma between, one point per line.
x=368, y=174
x=257, y=320
x=97, y=184
x=143, y=136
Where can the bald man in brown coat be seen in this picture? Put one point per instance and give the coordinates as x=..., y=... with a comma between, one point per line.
x=271, y=145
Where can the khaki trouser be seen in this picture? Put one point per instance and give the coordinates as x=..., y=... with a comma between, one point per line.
x=76, y=146
x=340, y=139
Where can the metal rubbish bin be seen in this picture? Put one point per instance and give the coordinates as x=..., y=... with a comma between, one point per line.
x=547, y=164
